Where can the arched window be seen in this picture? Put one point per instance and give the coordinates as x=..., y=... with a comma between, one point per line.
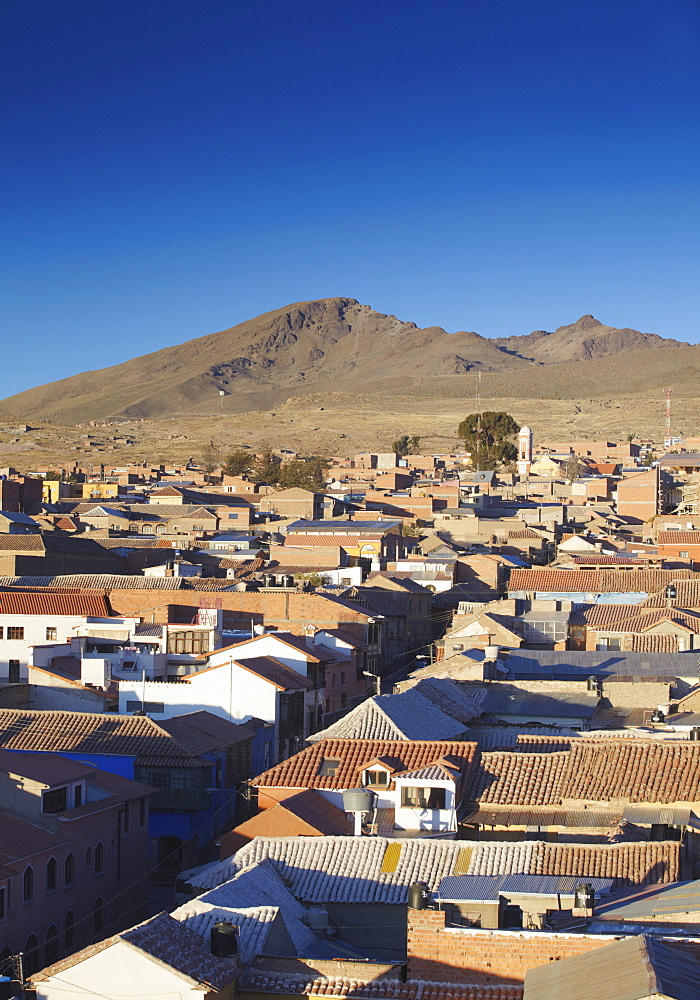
x=97, y=916
x=99, y=859
x=68, y=932
x=52, y=946
x=88, y=858
x=51, y=878
x=146, y=529
x=160, y=529
x=31, y=955
x=28, y=885
x=69, y=870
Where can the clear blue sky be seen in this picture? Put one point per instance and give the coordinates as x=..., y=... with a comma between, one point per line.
x=173, y=167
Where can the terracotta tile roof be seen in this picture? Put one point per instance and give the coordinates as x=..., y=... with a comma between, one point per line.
x=654, y=643
x=22, y=543
x=95, y=581
x=639, y=863
x=262, y=981
x=323, y=541
x=634, y=770
x=129, y=735
x=639, y=622
x=526, y=779
x=595, y=581
x=687, y=595
x=546, y=771
x=598, y=560
x=593, y=615
x=203, y=731
x=76, y=605
x=678, y=538
x=302, y=770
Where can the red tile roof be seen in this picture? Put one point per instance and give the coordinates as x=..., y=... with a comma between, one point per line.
x=654, y=643
x=261, y=981
x=30, y=602
x=302, y=770
x=640, y=863
x=678, y=538
x=595, y=581
x=592, y=770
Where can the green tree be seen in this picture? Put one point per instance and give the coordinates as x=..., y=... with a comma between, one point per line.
x=238, y=462
x=304, y=473
x=488, y=438
x=266, y=467
x=406, y=444
x=53, y=476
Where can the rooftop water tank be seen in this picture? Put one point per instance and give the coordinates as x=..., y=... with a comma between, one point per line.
x=419, y=895
x=224, y=939
x=358, y=800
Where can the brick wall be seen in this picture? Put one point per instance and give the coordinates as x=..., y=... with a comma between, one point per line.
x=449, y=954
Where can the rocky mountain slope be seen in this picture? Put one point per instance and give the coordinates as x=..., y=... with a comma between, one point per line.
x=335, y=345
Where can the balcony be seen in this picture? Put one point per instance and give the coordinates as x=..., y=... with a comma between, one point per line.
x=191, y=799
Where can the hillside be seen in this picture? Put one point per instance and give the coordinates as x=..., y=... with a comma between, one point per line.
x=339, y=345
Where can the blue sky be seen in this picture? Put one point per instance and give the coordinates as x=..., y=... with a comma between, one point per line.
x=173, y=167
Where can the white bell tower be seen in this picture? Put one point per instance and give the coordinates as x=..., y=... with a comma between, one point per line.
x=524, y=451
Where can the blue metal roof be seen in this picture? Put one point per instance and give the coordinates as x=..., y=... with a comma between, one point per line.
x=552, y=885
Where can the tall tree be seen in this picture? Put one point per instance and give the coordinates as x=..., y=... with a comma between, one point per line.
x=489, y=438
x=238, y=462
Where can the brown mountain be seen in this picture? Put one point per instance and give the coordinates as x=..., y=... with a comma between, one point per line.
x=584, y=339
x=310, y=347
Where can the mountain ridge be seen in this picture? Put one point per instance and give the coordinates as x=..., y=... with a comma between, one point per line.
x=334, y=344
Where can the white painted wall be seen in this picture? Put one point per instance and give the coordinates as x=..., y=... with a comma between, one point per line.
x=265, y=645
x=35, y=627
x=117, y=972
x=227, y=690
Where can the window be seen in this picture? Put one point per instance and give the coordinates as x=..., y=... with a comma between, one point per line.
x=51, y=633
x=28, y=884
x=233, y=517
x=125, y=819
x=342, y=678
x=147, y=529
x=69, y=870
x=415, y=797
x=52, y=946
x=377, y=778
x=55, y=800
x=142, y=813
x=154, y=707
x=31, y=954
x=97, y=916
x=2, y=632
x=684, y=555
x=68, y=932
x=613, y=643
x=99, y=859
x=51, y=875
x=15, y=632
x=77, y=796
x=13, y=671
x=88, y=858
x=197, y=527
x=328, y=768
x=458, y=647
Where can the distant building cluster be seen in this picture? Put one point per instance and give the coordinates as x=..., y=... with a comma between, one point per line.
x=426, y=731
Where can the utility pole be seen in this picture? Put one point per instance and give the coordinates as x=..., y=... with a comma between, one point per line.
x=667, y=393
